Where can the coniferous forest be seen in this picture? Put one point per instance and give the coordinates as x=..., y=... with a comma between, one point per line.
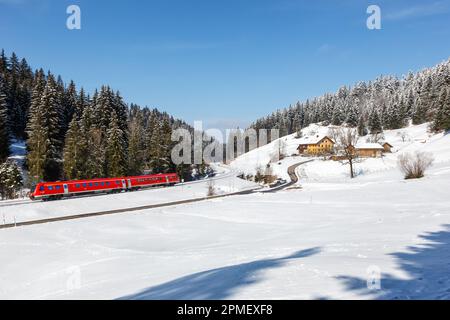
x=386, y=103
x=70, y=134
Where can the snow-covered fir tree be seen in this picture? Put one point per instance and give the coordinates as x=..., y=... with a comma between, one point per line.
x=395, y=100
x=4, y=127
x=10, y=180
x=116, y=157
x=74, y=152
x=442, y=116
x=136, y=145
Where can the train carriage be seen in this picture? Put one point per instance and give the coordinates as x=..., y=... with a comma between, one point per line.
x=58, y=190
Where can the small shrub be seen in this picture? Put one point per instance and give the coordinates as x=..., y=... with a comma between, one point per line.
x=414, y=165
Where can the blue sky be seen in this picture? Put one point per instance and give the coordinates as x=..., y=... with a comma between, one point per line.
x=226, y=62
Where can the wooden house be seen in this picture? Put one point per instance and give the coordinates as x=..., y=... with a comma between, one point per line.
x=369, y=150
x=387, y=147
x=316, y=145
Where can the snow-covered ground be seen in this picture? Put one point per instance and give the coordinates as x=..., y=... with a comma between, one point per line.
x=323, y=241
x=225, y=182
x=296, y=244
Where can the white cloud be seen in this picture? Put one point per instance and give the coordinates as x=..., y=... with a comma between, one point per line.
x=428, y=9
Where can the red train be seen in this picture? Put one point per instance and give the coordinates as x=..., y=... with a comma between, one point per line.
x=61, y=189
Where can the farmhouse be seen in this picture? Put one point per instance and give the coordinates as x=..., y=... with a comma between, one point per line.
x=316, y=145
x=369, y=150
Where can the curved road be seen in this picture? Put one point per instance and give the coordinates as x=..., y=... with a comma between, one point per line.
x=292, y=175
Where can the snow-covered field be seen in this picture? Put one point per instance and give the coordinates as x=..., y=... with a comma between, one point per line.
x=323, y=241
x=224, y=182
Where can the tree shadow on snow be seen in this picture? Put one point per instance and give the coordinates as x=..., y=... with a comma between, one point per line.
x=216, y=284
x=427, y=268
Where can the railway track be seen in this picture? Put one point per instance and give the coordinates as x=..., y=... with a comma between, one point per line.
x=219, y=176
x=15, y=203
x=12, y=203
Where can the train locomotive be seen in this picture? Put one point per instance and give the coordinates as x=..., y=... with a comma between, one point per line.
x=61, y=189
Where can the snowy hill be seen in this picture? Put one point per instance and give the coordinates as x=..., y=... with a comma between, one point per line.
x=410, y=139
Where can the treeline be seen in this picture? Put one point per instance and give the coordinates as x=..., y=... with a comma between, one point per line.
x=72, y=135
x=385, y=103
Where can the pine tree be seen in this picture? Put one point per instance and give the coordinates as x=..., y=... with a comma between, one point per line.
x=44, y=141
x=419, y=113
x=136, y=146
x=352, y=117
x=442, y=116
x=92, y=145
x=362, y=130
x=4, y=128
x=336, y=119
x=446, y=113
x=375, y=122
x=80, y=105
x=3, y=62
x=69, y=105
x=10, y=180
x=393, y=118
x=73, y=153
x=37, y=145
x=115, y=149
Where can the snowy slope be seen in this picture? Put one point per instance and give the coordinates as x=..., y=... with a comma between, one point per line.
x=415, y=138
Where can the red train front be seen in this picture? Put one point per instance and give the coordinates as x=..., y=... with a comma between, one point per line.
x=59, y=190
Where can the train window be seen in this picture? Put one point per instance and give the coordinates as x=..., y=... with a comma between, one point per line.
x=107, y=183
x=90, y=184
x=41, y=188
x=96, y=184
x=50, y=188
x=102, y=184
x=58, y=187
x=117, y=182
x=84, y=185
x=77, y=185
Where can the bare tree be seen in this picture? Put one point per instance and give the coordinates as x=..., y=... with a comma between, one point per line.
x=268, y=175
x=282, y=148
x=211, y=188
x=414, y=165
x=346, y=140
x=404, y=135
x=376, y=138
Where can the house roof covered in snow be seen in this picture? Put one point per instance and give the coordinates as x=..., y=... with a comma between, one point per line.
x=367, y=145
x=313, y=139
